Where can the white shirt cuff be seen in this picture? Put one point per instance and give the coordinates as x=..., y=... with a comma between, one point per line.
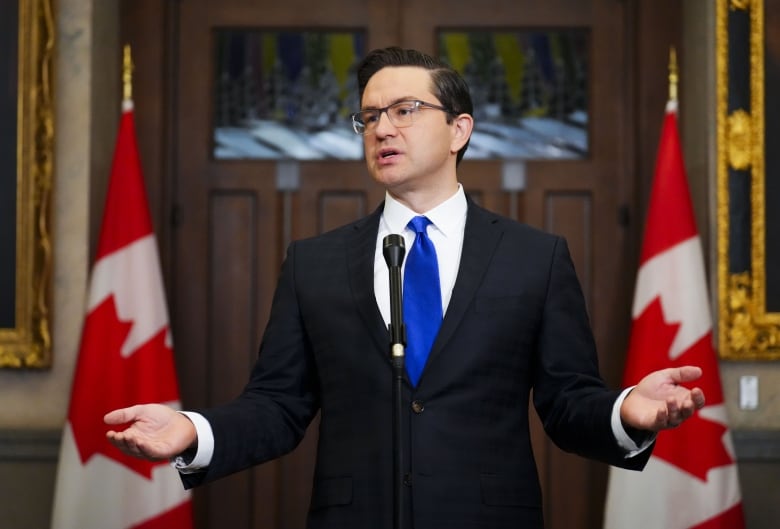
x=205, y=449
x=623, y=439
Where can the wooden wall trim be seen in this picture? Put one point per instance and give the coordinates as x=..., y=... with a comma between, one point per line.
x=30, y=445
x=757, y=445
x=44, y=445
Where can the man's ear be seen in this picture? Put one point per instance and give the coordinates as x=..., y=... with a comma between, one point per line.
x=463, y=124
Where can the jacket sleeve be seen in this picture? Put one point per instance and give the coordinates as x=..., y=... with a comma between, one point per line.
x=570, y=396
x=269, y=418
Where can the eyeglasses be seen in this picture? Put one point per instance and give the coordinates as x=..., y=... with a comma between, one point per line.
x=401, y=114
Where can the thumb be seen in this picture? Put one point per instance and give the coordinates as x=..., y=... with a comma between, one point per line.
x=685, y=374
x=121, y=416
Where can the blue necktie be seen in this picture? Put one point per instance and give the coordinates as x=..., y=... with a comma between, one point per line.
x=421, y=299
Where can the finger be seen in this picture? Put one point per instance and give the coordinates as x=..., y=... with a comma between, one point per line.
x=661, y=419
x=693, y=401
x=138, y=447
x=687, y=410
x=127, y=447
x=697, y=396
x=119, y=441
x=674, y=413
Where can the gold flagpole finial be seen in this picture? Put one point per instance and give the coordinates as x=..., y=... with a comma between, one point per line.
x=673, y=74
x=127, y=74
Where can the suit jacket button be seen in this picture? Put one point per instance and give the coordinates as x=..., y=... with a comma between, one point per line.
x=418, y=406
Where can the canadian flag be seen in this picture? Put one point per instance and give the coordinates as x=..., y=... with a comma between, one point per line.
x=125, y=357
x=691, y=478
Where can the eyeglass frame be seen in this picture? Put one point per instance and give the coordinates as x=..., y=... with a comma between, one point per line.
x=418, y=103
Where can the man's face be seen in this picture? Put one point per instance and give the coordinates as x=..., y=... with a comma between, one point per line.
x=418, y=159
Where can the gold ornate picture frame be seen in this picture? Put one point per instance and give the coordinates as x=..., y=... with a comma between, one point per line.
x=25, y=342
x=748, y=249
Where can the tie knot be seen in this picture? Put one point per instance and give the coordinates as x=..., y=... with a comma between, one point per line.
x=419, y=223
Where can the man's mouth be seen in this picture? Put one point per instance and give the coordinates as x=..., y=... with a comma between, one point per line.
x=387, y=153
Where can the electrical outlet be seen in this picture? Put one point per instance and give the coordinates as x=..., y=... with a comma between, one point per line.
x=748, y=392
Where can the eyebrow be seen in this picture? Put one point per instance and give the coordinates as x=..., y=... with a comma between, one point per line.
x=398, y=100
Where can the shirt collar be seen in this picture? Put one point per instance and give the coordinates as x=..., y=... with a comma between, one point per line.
x=448, y=216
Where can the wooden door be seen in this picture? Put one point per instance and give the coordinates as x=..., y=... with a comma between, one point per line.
x=230, y=220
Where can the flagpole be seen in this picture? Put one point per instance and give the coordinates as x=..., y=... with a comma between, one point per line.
x=673, y=74
x=127, y=74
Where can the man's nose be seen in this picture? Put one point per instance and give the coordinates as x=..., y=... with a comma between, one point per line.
x=384, y=126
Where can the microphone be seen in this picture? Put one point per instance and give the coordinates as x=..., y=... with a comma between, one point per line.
x=394, y=250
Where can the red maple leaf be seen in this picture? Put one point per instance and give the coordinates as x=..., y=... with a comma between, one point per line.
x=105, y=381
x=696, y=446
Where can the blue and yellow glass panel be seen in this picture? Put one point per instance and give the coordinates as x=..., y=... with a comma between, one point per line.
x=530, y=91
x=286, y=94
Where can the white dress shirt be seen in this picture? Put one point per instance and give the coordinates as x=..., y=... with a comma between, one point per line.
x=448, y=222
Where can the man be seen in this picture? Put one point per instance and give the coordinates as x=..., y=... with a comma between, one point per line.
x=512, y=319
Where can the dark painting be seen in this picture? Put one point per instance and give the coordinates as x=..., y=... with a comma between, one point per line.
x=8, y=143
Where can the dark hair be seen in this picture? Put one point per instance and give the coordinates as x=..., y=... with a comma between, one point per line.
x=446, y=84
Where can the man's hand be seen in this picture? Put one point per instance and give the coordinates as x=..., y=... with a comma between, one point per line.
x=156, y=432
x=659, y=401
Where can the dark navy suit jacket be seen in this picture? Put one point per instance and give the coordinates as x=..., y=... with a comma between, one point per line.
x=516, y=323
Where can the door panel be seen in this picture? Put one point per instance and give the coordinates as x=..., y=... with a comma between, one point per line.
x=232, y=220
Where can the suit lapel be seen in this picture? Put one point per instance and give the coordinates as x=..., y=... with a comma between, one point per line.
x=361, y=250
x=479, y=241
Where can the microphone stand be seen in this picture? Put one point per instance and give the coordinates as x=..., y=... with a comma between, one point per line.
x=393, y=249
